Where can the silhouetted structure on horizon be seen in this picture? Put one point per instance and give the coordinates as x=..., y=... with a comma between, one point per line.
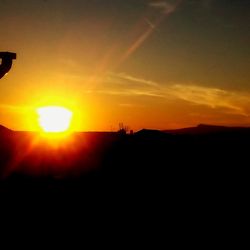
x=7, y=58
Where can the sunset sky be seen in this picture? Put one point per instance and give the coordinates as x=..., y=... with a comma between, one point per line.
x=146, y=63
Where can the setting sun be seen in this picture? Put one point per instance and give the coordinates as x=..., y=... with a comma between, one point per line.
x=53, y=119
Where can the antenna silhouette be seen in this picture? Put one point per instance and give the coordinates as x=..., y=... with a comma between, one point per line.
x=7, y=58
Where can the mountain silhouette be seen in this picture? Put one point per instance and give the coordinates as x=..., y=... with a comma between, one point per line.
x=206, y=129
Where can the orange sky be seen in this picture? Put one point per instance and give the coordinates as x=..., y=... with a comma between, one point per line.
x=153, y=64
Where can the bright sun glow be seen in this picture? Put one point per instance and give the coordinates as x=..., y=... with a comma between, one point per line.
x=53, y=119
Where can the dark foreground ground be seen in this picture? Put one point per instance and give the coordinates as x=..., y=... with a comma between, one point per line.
x=189, y=184
x=188, y=163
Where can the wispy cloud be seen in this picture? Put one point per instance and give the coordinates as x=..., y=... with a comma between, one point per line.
x=126, y=77
x=165, y=6
x=126, y=85
x=234, y=102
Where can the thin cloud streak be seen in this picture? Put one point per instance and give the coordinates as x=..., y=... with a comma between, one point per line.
x=231, y=101
x=211, y=97
x=164, y=6
x=126, y=77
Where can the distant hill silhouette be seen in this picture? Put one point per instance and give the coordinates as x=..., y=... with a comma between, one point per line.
x=4, y=129
x=198, y=130
x=206, y=129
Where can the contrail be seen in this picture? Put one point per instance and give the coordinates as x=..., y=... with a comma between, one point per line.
x=108, y=62
x=167, y=11
x=150, y=23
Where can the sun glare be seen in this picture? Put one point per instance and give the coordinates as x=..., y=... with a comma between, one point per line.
x=53, y=119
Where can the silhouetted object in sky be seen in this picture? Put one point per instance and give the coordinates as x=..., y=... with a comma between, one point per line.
x=6, y=64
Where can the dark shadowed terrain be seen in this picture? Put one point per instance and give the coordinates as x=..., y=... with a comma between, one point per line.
x=192, y=162
x=186, y=181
